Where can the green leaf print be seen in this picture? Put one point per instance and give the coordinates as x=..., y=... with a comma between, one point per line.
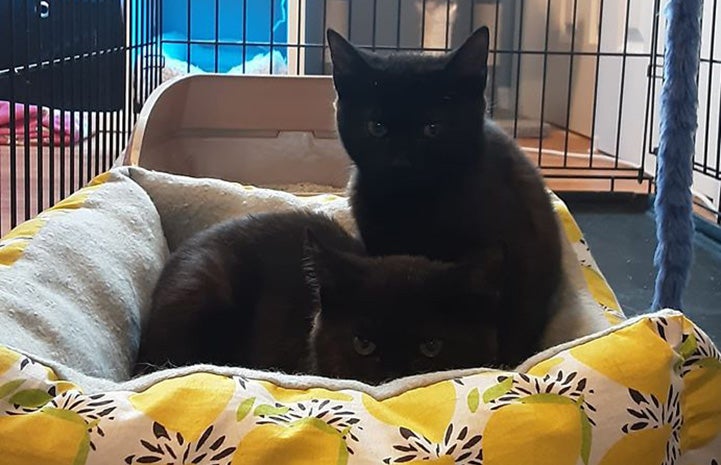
x=319, y=424
x=688, y=347
x=30, y=398
x=586, y=437
x=268, y=410
x=67, y=415
x=83, y=451
x=494, y=392
x=709, y=363
x=473, y=400
x=244, y=408
x=10, y=387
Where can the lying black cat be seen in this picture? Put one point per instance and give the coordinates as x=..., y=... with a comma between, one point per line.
x=295, y=292
x=435, y=177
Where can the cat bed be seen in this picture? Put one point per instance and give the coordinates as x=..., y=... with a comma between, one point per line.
x=76, y=287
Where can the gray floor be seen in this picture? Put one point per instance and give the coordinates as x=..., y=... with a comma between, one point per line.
x=622, y=240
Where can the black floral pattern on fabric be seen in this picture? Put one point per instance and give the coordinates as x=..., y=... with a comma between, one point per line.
x=650, y=413
x=458, y=443
x=334, y=414
x=559, y=386
x=164, y=447
x=17, y=398
x=571, y=386
x=661, y=327
x=702, y=351
x=242, y=381
x=92, y=409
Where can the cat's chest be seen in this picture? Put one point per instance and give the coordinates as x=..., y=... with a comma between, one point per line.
x=463, y=207
x=444, y=226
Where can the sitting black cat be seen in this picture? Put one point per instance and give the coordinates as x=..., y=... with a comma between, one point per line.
x=434, y=177
x=294, y=292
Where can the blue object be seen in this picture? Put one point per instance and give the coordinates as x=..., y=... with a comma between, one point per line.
x=229, y=29
x=679, y=121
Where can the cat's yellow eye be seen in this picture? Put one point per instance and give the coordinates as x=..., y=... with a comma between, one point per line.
x=377, y=129
x=431, y=348
x=432, y=130
x=363, y=347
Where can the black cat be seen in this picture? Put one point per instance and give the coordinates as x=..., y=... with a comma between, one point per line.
x=434, y=176
x=294, y=292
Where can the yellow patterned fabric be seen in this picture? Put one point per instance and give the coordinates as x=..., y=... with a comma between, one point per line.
x=13, y=244
x=597, y=284
x=75, y=281
x=648, y=391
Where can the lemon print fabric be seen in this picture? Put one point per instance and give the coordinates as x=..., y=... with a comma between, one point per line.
x=701, y=398
x=647, y=395
x=652, y=433
x=648, y=392
x=31, y=438
x=404, y=411
x=553, y=411
x=596, y=282
x=297, y=427
x=8, y=358
x=294, y=395
x=424, y=426
x=461, y=444
x=43, y=420
x=571, y=228
x=14, y=243
x=304, y=433
x=202, y=397
x=648, y=371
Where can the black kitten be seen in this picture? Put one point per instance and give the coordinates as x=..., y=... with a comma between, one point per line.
x=435, y=177
x=294, y=292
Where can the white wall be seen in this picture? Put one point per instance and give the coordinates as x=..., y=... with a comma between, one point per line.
x=709, y=114
x=704, y=185
x=580, y=99
x=622, y=102
x=558, y=67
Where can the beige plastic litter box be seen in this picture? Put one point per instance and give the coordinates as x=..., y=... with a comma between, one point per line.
x=256, y=130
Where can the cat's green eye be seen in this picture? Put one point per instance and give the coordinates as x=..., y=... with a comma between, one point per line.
x=363, y=346
x=377, y=129
x=432, y=130
x=431, y=348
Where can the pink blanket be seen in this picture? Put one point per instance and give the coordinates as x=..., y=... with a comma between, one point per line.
x=67, y=126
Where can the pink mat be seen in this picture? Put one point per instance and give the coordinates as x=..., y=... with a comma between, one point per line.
x=40, y=124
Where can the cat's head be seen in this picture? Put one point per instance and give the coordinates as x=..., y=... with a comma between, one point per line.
x=411, y=116
x=380, y=318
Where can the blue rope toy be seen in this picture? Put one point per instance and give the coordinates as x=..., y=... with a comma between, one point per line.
x=679, y=105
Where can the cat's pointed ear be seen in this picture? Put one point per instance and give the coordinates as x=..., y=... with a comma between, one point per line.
x=470, y=60
x=347, y=59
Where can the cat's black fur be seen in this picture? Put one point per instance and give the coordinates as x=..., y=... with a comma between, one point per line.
x=294, y=292
x=434, y=176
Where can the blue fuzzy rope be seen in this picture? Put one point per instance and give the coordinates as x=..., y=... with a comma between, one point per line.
x=679, y=105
